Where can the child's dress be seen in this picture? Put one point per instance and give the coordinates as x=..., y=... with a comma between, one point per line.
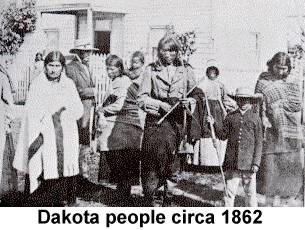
x=205, y=153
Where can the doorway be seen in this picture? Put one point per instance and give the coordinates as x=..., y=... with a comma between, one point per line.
x=102, y=41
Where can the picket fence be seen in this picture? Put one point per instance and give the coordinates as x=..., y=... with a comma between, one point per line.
x=100, y=76
x=22, y=86
x=97, y=68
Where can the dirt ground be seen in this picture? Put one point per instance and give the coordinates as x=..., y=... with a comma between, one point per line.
x=186, y=189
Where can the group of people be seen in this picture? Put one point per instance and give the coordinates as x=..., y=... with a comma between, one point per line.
x=262, y=128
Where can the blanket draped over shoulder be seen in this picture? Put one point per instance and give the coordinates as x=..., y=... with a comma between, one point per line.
x=283, y=103
x=48, y=143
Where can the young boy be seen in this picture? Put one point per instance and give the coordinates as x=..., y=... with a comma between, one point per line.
x=243, y=129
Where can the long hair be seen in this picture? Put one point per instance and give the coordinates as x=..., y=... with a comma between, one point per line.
x=55, y=56
x=172, y=42
x=139, y=55
x=279, y=58
x=114, y=60
x=37, y=57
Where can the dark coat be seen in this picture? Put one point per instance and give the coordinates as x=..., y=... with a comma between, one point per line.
x=84, y=84
x=158, y=87
x=244, y=134
x=160, y=141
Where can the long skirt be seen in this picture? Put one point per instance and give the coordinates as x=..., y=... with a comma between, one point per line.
x=119, y=145
x=118, y=136
x=205, y=153
x=280, y=174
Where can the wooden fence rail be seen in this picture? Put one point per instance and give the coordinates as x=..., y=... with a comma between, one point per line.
x=100, y=76
x=22, y=87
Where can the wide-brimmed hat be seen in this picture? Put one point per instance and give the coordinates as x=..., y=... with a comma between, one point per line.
x=246, y=92
x=83, y=44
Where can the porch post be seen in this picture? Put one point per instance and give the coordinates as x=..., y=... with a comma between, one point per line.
x=90, y=25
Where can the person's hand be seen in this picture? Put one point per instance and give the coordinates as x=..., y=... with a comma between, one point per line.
x=8, y=116
x=215, y=144
x=7, y=123
x=254, y=168
x=210, y=119
x=187, y=101
x=266, y=122
x=102, y=122
x=153, y=112
x=152, y=109
x=164, y=106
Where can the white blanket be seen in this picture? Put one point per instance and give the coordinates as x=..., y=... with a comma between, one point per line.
x=44, y=100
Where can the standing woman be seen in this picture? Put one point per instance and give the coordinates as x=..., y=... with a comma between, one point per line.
x=7, y=173
x=164, y=84
x=119, y=130
x=281, y=173
x=48, y=148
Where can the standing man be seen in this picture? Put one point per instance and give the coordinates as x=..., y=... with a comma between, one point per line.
x=163, y=85
x=78, y=71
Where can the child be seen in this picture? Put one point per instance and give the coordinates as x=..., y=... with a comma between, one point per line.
x=219, y=104
x=135, y=74
x=38, y=66
x=243, y=129
x=136, y=67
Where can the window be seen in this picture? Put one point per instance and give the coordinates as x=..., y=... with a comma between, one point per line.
x=52, y=39
x=156, y=33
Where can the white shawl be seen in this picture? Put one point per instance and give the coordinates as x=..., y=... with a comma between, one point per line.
x=45, y=98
